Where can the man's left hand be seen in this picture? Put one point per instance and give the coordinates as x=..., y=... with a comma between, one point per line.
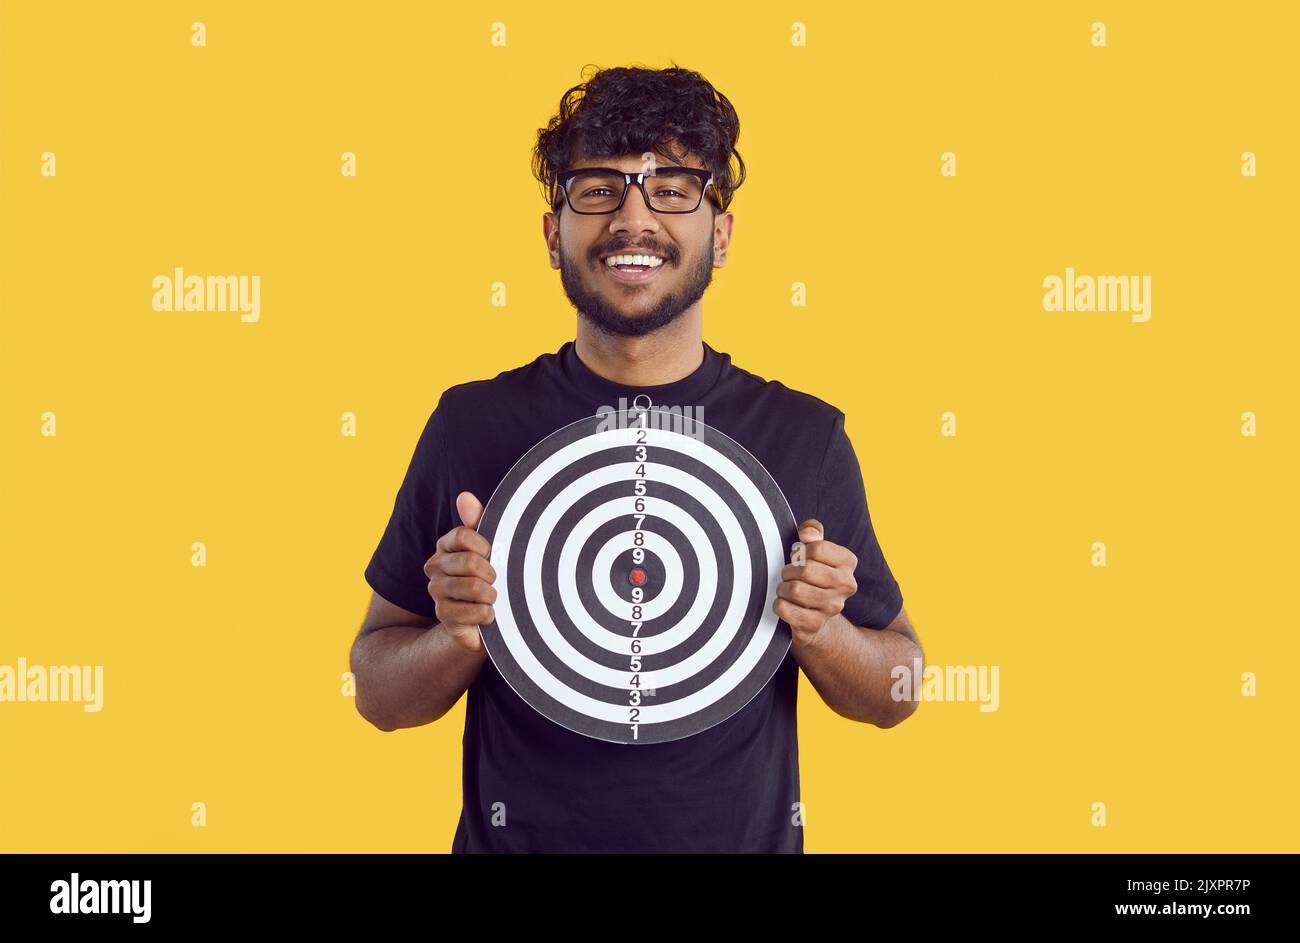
x=811, y=595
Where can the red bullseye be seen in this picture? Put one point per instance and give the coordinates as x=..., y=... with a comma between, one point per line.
x=637, y=576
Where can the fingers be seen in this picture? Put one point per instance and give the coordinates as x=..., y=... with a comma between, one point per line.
x=820, y=574
x=464, y=538
x=831, y=554
x=464, y=563
x=830, y=602
x=815, y=591
x=462, y=600
x=451, y=612
x=465, y=589
x=798, y=618
x=460, y=576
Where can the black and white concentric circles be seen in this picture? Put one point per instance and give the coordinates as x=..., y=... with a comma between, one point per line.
x=636, y=570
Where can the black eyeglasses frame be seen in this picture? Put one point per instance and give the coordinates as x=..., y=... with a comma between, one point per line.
x=562, y=183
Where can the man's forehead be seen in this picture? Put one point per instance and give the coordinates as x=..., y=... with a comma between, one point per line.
x=633, y=162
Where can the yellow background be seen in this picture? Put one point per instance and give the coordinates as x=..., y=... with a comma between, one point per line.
x=222, y=684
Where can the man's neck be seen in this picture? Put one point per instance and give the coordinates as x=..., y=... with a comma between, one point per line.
x=669, y=354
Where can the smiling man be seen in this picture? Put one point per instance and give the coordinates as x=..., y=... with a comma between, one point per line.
x=639, y=167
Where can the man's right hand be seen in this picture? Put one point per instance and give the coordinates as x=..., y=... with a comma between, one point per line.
x=460, y=577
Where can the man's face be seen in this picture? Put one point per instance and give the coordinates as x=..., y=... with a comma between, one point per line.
x=631, y=305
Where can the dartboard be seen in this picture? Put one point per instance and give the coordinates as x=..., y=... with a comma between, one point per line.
x=637, y=558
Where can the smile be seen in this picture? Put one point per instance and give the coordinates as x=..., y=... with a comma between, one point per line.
x=633, y=268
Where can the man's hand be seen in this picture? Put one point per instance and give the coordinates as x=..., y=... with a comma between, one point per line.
x=811, y=595
x=460, y=577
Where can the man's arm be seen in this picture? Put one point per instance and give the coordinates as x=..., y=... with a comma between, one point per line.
x=851, y=667
x=409, y=670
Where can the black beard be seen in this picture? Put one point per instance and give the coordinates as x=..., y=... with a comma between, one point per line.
x=607, y=318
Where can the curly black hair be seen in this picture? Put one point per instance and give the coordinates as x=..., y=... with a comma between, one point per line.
x=631, y=110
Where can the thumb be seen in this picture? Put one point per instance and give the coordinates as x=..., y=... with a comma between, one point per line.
x=469, y=508
x=811, y=530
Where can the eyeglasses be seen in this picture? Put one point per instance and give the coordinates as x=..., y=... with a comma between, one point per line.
x=591, y=191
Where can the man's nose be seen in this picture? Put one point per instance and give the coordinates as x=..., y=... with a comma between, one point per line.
x=635, y=214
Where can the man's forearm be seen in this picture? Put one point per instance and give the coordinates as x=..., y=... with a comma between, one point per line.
x=851, y=667
x=408, y=676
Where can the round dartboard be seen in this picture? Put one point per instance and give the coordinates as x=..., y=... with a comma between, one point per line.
x=637, y=556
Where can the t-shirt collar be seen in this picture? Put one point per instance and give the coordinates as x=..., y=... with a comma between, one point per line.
x=684, y=392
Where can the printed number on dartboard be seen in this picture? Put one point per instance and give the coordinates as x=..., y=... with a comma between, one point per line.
x=638, y=557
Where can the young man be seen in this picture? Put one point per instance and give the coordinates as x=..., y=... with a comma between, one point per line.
x=635, y=231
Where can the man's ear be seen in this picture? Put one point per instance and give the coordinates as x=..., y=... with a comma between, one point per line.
x=721, y=238
x=551, y=233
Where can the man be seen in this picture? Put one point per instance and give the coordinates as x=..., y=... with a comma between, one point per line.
x=637, y=168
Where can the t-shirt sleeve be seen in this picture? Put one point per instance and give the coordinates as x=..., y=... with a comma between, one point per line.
x=421, y=514
x=842, y=510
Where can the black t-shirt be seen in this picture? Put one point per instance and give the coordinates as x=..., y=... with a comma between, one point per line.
x=731, y=788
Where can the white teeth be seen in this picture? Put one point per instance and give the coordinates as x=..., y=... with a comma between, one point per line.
x=650, y=260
